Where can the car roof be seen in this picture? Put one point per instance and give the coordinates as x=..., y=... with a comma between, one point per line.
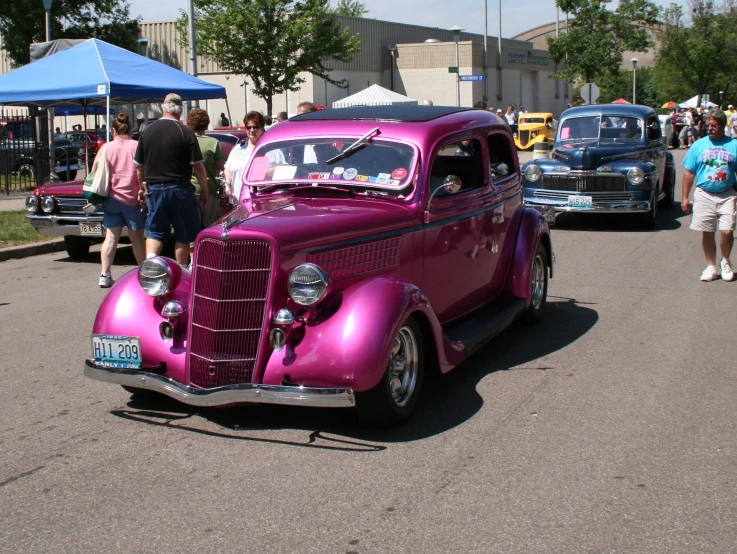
x=537, y=114
x=609, y=109
x=384, y=113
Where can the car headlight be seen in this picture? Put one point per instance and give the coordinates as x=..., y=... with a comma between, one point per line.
x=155, y=277
x=47, y=204
x=307, y=284
x=31, y=204
x=534, y=134
x=533, y=173
x=636, y=176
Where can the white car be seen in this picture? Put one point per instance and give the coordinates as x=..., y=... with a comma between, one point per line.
x=666, y=127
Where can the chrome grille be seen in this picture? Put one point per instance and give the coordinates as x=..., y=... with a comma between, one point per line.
x=576, y=182
x=230, y=291
x=524, y=136
x=596, y=196
x=70, y=205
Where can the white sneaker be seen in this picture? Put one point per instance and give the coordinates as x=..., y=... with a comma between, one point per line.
x=106, y=281
x=727, y=271
x=710, y=273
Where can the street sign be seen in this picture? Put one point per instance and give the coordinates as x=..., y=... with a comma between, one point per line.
x=452, y=69
x=471, y=77
x=589, y=92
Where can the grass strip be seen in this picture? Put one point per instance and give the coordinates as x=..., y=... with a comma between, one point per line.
x=15, y=230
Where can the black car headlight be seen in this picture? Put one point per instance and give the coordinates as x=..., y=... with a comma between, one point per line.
x=307, y=284
x=636, y=176
x=31, y=204
x=48, y=204
x=533, y=173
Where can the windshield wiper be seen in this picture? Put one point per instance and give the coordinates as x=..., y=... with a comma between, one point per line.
x=353, y=147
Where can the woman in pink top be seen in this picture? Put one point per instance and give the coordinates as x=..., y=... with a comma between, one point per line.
x=122, y=207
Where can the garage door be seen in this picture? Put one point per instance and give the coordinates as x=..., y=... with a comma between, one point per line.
x=528, y=90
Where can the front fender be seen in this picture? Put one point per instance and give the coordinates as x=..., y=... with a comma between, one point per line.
x=533, y=229
x=128, y=311
x=350, y=347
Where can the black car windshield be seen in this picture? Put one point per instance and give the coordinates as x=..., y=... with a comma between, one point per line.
x=601, y=127
x=523, y=120
x=377, y=164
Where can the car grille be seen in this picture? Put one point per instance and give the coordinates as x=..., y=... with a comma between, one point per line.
x=231, y=285
x=584, y=183
x=596, y=196
x=524, y=136
x=70, y=205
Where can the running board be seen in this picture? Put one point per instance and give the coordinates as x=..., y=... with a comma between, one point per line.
x=478, y=329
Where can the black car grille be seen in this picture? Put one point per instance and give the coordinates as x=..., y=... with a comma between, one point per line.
x=524, y=137
x=584, y=183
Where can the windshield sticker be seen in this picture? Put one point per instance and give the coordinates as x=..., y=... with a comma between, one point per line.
x=399, y=173
x=394, y=181
x=350, y=173
x=284, y=172
x=259, y=167
x=362, y=178
x=383, y=178
x=565, y=132
x=324, y=175
x=338, y=171
x=373, y=179
x=313, y=175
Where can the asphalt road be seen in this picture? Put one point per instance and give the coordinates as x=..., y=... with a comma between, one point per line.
x=609, y=427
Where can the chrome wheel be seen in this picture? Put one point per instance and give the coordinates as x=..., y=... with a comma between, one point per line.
x=403, y=367
x=537, y=294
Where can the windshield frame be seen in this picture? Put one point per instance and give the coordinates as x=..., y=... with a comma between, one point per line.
x=405, y=182
x=600, y=116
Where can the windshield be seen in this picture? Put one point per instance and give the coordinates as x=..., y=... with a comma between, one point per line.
x=523, y=120
x=595, y=127
x=373, y=163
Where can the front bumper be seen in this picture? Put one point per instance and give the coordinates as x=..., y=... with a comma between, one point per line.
x=60, y=225
x=603, y=207
x=222, y=396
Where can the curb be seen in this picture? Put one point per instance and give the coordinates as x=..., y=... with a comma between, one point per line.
x=26, y=250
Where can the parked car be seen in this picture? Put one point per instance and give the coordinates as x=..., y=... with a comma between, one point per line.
x=392, y=242
x=608, y=158
x=533, y=128
x=55, y=210
x=88, y=142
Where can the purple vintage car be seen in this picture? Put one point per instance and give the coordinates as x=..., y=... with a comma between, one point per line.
x=370, y=246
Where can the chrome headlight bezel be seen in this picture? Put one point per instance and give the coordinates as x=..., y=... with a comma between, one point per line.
x=533, y=173
x=48, y=204
x=308, y=284
x=635, y=176
x=32, y=204
x=155, y=277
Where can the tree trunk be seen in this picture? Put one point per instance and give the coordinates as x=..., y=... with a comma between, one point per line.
x=269, y=99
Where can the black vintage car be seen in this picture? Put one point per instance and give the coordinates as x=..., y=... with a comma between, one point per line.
x=607, y=158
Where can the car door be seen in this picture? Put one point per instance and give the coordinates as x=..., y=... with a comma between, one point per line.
x=459, y=257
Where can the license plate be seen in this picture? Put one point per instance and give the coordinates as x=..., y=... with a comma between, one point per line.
x=580, y=202
x=115, y=351
x=90, y=229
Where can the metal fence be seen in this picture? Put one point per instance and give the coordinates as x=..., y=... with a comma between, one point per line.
x=24, y=158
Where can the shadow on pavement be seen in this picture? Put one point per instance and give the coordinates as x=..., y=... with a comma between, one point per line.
x=447, y=401
x=668, y=220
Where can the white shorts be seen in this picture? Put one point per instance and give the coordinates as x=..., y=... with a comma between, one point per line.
x=712, y=207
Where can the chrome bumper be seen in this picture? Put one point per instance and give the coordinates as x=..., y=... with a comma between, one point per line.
x=59, y=225
x=222, y=396
x=635, y=206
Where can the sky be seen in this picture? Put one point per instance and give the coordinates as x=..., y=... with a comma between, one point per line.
x=517, y=15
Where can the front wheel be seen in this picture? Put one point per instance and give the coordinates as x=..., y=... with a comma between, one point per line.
x=670, y=191
x=393, y=400
x=77, y=247
x=538, y=286
x=648, y=219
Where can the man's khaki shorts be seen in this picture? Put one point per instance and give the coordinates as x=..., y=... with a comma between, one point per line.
x=710, y=208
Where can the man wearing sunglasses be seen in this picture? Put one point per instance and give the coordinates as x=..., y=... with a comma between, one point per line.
x=711, y=163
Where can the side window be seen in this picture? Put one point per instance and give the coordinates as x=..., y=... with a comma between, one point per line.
x=501, y=157
x=462, y=159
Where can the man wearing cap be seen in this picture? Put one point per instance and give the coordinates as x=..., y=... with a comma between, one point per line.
x=166, y=155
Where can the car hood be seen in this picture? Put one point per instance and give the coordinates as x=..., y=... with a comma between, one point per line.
x=590, y=155
x=298, y=223
x=530, y=126
x=71, y=188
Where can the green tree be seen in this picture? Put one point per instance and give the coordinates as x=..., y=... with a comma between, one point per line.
x=619, y=85
x=23, y=22
x=596, y=37
x=271, y=41
x=698, y=52
x=354, y=8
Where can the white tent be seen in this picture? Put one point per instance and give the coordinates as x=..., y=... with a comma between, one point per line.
x=375, y=95
x=694, y=102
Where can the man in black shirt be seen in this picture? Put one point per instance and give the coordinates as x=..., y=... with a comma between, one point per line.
x=167, y=153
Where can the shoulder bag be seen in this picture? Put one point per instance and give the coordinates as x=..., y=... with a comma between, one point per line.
x=97, y=183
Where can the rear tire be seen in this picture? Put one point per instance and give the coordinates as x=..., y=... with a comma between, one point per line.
x=77, y=247
x=393, y=400
x=538, y=286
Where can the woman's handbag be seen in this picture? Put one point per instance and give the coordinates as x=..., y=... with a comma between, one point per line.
x=97, y=183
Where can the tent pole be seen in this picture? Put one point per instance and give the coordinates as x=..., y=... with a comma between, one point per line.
x=227, y=108
x=86, y=142
x=108, y=131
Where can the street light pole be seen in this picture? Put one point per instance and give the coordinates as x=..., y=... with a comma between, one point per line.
x=634, y=80
x=486, y=52
x=192, y=46
x=456, y=31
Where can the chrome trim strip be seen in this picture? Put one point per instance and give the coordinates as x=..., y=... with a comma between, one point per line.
x=637, y=206
x=222, y=396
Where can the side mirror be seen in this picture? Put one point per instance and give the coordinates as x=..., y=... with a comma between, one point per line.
x=451, y=185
